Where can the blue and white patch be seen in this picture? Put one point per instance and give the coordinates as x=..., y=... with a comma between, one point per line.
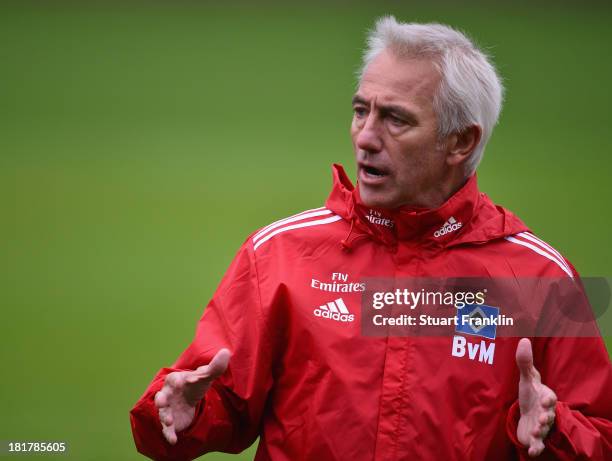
x=477, y=320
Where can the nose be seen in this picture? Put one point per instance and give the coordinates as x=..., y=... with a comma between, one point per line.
x=369, y=136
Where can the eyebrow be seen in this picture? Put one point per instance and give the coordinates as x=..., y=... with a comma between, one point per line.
x=386, y=108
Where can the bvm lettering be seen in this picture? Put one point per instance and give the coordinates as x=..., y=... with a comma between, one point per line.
x=482, y=351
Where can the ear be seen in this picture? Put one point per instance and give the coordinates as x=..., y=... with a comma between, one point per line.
x=460, y=145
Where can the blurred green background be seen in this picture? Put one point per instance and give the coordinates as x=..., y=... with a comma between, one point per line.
x=141, y=144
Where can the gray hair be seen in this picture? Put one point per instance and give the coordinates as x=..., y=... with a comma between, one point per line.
x=470, y=91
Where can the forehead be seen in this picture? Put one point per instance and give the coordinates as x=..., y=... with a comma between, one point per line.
x=408, y=81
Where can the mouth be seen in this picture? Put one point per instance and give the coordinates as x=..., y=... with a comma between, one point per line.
x=370, y=170
x=372, y=175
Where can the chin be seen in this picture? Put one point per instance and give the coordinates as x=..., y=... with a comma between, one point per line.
x=376, y=199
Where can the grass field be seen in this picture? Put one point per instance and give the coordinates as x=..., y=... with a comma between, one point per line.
x=140, y=145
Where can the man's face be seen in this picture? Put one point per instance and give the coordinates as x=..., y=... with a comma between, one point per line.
x=394, y=133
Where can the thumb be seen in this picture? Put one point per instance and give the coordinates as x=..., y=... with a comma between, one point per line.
x=524, y=358
x=219, y=363
x=215, y=368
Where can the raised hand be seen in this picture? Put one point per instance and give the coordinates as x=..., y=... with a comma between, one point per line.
x=182, y=391
x=536, y=401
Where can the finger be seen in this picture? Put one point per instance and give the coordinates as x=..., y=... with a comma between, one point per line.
x=219, y=363
x=215, y=368
x=165, y=417
x=199, y=374
x=169, y=434
x=161, y=399
x=536, y=448
x=546, y=418
x=541, y=431
x=174, y=379
x=524, y=358
x=549, y=401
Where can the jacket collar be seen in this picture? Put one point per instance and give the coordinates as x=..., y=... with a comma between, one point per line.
x=467, y=216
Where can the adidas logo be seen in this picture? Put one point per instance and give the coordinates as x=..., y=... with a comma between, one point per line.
x=449, y=226
x=334, y=310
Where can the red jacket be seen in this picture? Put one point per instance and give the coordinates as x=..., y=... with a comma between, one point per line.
x=315, y=388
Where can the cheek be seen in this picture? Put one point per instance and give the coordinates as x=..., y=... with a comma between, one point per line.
x=409, y=160
x=354, y=134
x=418, y=147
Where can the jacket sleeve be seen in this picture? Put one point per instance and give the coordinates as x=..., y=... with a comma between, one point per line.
x=577, y=368
x=229, y=417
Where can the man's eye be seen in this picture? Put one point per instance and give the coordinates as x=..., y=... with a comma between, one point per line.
x=359, y=112
x=396, y=120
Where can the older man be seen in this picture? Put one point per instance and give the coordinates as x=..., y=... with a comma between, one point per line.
x=303, y=377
